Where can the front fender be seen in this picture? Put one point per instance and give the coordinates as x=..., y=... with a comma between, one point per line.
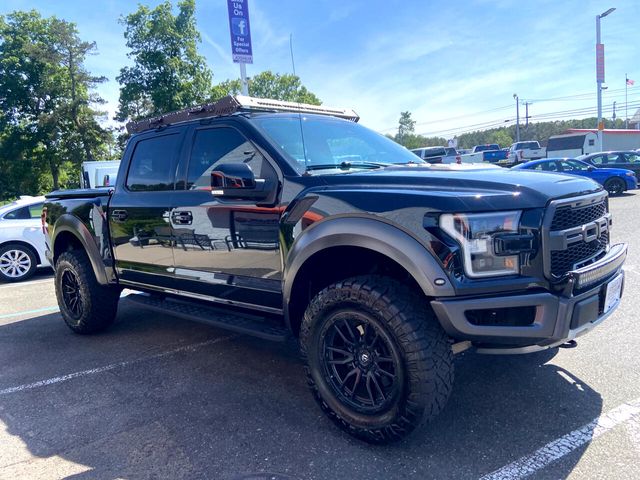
x=371, y=234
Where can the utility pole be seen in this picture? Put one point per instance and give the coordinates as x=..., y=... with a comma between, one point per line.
x=526, y=115
x=614, y=112
x=515, y=95
x=600, y=74
x=626, y=104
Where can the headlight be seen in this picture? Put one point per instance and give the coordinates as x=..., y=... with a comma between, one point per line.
x=630, y=174
x=476, y=233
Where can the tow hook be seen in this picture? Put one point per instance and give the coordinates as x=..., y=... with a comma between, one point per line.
x=569, y=344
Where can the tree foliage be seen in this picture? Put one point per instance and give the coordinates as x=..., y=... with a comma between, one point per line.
x=167, y=73
x=48, y=123
x=406, y=125
x=269, y=85
x=407, y=137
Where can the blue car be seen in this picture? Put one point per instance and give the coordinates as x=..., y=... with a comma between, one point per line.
x=614, y=180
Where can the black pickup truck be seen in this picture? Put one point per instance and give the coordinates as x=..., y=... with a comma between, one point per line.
x=303, y=224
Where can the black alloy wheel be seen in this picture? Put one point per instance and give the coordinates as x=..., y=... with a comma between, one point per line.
x=361, y=363
x=615, y=186
x=85, y=305
x=71, y=293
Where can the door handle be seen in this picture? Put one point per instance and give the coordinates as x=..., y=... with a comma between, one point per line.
x=119, y=216
x=182, y=218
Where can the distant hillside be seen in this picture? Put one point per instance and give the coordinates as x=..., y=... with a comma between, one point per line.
x=505, y=136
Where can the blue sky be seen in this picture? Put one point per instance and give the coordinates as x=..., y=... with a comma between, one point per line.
x=454, y=64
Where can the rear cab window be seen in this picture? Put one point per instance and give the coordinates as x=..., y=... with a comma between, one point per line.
x=153, y=163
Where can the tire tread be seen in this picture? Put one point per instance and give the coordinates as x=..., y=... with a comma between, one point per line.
x=101, y=301
x=425, y=346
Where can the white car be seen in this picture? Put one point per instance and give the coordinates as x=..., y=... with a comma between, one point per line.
x=22, y=240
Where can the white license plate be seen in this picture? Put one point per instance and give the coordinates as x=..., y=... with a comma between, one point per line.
x=612, y=297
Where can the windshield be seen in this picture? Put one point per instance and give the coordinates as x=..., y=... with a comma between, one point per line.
x=528, y=145
x=486, y=148
x=331, y=143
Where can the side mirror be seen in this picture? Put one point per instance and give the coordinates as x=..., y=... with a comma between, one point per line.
x=590, y=169
x=236, y=180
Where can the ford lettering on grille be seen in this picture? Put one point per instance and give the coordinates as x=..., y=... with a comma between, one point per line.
x=575, y=233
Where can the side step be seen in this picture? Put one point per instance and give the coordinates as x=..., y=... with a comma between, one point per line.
x=236, y=322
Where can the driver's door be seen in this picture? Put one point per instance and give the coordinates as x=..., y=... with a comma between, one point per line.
x=226, y=249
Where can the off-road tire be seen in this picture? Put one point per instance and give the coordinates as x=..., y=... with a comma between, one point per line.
x=96, y=305
x=426, y=359
x=25, y=254
x=615, y=186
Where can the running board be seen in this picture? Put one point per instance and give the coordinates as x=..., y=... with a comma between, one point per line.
x=236, y=322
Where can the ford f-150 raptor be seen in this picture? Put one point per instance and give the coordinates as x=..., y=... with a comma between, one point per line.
x=302, y=223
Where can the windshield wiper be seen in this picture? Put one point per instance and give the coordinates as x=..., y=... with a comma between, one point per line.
x=347, y=165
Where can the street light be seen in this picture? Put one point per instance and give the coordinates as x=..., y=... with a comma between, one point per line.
x=600, y=73
x=515, y=96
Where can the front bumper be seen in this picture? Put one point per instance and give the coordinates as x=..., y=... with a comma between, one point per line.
x=555, y=318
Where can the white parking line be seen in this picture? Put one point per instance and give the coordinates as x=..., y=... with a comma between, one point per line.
x=555, y=450
x=24, y=284
x=112, y=366
x=27, y=312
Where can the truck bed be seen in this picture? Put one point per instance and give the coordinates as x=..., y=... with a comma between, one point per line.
x=81, y=193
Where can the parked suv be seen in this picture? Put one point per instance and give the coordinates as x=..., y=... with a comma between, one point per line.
x=305, y=224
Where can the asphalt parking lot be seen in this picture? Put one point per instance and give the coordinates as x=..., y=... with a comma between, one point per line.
x=159, y=397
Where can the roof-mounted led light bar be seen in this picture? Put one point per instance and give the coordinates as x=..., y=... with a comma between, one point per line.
x=238, y=103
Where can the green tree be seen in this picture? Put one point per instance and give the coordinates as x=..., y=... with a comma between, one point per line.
x=501, y=137
x=48, y=125
x=269, y=85
x=406, y=128
x=167, y=73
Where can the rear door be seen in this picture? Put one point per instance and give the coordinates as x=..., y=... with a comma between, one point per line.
x=226, y=249
x=616, y=160
x=632, y=162
x=139, y=209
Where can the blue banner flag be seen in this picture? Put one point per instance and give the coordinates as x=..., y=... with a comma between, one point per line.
x=240, y=31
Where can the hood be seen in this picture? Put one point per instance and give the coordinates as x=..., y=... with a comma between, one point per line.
x=473, y=190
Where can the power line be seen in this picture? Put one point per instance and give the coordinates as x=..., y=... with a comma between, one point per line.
x=506, y=107
x=496, y=123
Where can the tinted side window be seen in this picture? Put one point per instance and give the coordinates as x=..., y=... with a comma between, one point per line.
x=434, y=152
x=35, y=211
x=215, y=146
x=547, y=166
x=616, y=158
x=633, y=157
x=18, y=214
x=152, y=164
x=599, y=160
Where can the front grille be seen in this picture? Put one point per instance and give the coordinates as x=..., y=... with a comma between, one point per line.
x=568, y=217
x=577, y=255
x=569, y=247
